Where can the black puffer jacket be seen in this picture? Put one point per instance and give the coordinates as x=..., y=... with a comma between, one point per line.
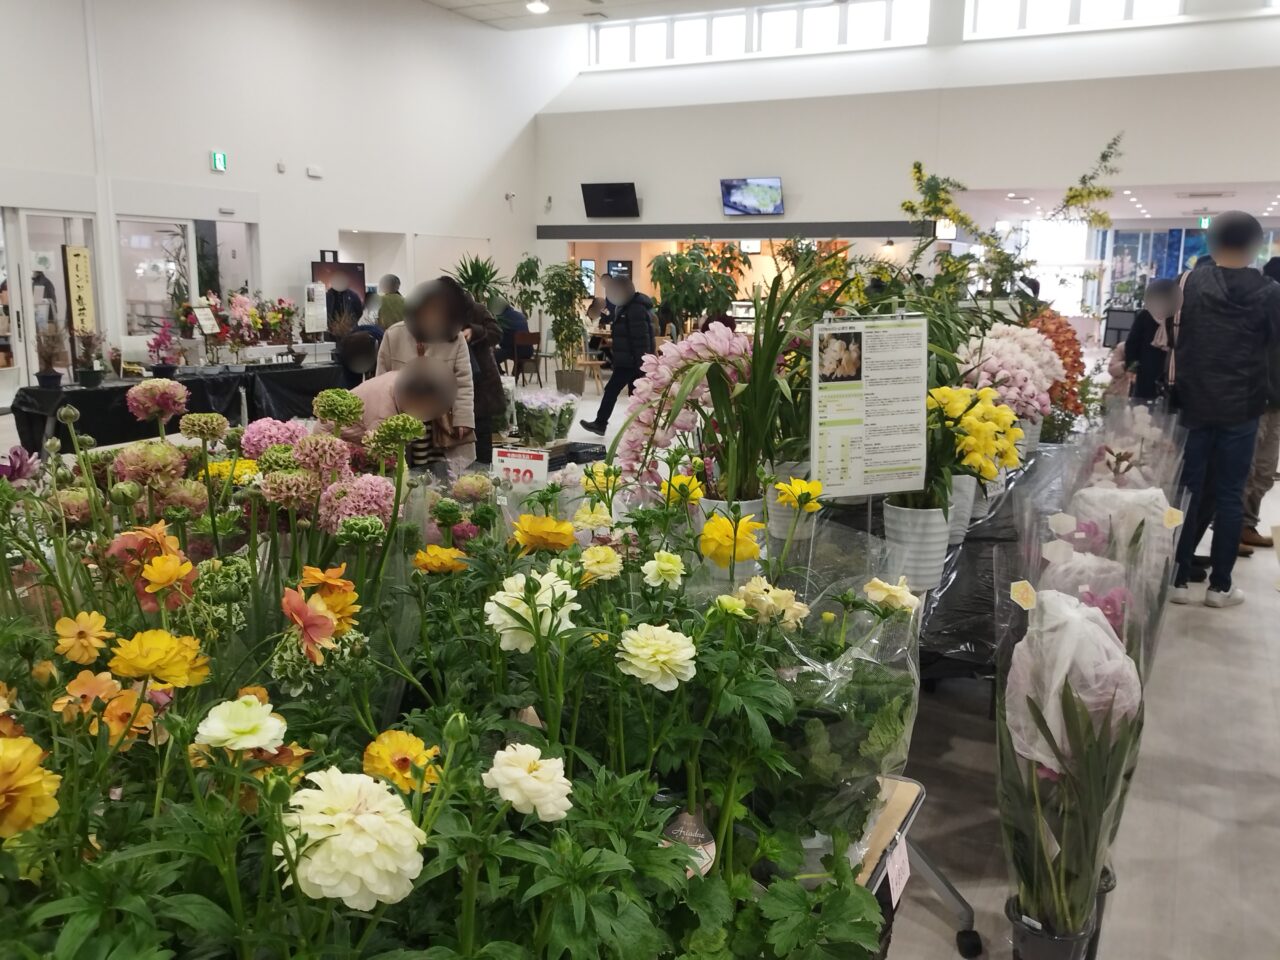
x=633, y=335
x=1230, y=321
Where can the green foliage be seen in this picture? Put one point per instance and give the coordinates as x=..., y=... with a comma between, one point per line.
x=526, y=284
x=480, y=277
x=701, y=280
x=563, y=295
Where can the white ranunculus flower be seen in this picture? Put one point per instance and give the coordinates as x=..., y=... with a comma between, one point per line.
x=893, y=595
x=602, y=562
x=657, y=655
x=530, y=782
x=769, y=603
x=362, y=846
x=664, y=570
x=508, y=611
x=243, y=724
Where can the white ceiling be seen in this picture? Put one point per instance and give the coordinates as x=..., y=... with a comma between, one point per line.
x=512, y=15
x=1177, y=202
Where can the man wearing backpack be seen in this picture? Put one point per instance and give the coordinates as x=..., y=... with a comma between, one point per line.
x=633, y=339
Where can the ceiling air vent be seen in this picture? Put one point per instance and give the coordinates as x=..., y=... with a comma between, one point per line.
x=595, y=15
x=1206, y=195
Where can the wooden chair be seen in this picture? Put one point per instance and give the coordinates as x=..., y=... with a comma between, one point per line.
x=523, y=366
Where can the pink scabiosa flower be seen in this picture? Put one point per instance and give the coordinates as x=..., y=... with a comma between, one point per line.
x=266, y=432
x=291, y=489
x=362, y=496
x=464, y=531
x=324, y=455
x=157, y=399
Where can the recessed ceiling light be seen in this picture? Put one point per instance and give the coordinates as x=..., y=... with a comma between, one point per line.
x=536, y=6
x=1127, y=192
x=1133, y=199
x=1010, y=194
x=1147, y=215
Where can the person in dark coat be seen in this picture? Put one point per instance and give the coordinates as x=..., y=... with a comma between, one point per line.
x=633, y=339
x=511, y=321
x=1229, y=321
x=1146, y=350
x=483, y=336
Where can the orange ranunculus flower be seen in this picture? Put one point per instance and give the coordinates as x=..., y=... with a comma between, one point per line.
x=313, y=621
x=83, y=691
x=44, y=672
x=27, y=789
x=329, y=581
x=392, y=756
x=79, y=640
x=286, y=761
x=157, y=535
x=436, y=559
x=342, y=605
x=534, y=532
x=125, y=718
x=165, y=571
x=160, y=655
x=260, y=693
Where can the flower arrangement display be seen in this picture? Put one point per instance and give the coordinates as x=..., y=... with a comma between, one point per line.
x=1019, y=363
x=269, y=710
x=544, y=415
x=163, y=349
x=244, y=323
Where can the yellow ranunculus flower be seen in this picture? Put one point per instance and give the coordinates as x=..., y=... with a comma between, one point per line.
x=393, y=754
x=723, y=542
x=895, y=596
x=682, y=489
x=437, y=559
x=160, y=655
x=592, y=516
x=27, y=790
x=800, y=494
x=543, y=533
x=601, y=479
x=342, y=604
x=79, y=640
x=164, y=572
x=601, y=562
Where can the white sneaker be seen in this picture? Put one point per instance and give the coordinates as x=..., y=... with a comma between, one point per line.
x=1219, y=598
x=1180, y=595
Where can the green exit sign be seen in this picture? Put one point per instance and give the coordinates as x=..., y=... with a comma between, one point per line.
x=1204, y=222
x=217, y=161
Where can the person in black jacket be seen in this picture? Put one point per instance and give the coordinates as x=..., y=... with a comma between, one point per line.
x=1146, y=351
x=1230, y=319
x=1266, y=455
x=633, y=338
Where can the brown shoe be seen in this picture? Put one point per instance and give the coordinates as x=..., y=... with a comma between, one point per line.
x=1244, y=550
x=1252, y=538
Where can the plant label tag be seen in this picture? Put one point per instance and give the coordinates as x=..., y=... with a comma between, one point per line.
x=689, y=829
x=523, y=469
x=206, y=321
x=898, y=870
x=1023, y=594
x=1173, y=518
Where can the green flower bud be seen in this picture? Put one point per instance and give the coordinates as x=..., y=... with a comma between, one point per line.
x=68, y=414
x=53, y=446
x=456, y=728
x=125, y=493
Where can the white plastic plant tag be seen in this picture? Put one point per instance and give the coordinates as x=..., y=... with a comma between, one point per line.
x=1062, y=524
x=1057, y=551
x=898, y=869
x=1173, y=518
x=1023, y=594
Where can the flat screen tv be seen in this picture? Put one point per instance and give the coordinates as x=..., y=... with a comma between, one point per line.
x=751, y=197
x=610, y=200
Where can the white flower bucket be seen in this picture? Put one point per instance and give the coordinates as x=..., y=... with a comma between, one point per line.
x=1030, y=441
x=780, y=517
x=964, y=490
x=921, y=538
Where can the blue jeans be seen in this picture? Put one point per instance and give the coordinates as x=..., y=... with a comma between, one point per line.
x=1228, y=451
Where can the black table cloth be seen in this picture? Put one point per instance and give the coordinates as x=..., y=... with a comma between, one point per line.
x=282, y=392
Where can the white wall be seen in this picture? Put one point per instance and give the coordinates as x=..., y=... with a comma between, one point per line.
x=849, y=157
x=420, y=119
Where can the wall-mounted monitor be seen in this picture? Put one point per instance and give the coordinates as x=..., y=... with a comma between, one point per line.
x=751, y=197
x=610, y=200
x=618, y=268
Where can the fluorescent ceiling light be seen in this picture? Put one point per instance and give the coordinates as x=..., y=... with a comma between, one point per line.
x=536, y=6
x=1127, y=192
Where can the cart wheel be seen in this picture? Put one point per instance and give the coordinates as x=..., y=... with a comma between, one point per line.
x=969, y=943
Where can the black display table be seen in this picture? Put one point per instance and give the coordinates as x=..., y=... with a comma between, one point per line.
x=280, y=392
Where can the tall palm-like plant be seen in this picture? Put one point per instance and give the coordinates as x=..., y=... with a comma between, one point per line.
x=563, y=295
x=480, y=277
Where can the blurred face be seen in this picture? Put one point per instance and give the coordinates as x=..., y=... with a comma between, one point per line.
x=339, y=282
x=431, y=321
x=616, y=292
x=426, y=406
x=1164, y=305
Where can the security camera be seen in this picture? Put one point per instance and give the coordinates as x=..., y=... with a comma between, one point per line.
x=510, y=196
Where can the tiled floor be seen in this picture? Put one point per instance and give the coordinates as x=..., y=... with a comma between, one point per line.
x=1198, y=858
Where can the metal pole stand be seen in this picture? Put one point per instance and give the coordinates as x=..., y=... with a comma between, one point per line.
x=968, y=942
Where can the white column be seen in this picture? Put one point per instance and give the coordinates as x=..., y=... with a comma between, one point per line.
x=946, y=22
x=105, y=243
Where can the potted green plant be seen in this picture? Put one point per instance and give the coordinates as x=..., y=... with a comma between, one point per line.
x=699, y=281
x=89, y=359
x=50, y=350
x=563, y=294
x=526, y=285
x=480, y=277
